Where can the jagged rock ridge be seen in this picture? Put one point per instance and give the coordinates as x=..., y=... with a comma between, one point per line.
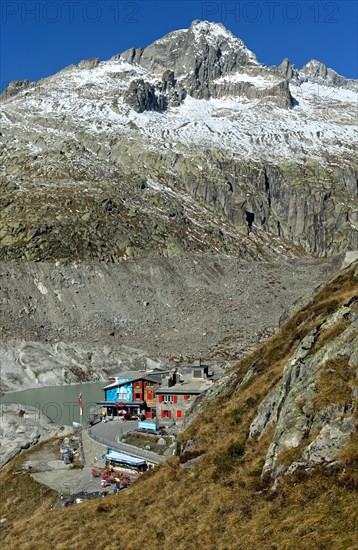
x=200, y=58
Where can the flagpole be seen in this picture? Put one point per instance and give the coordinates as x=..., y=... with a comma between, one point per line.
x=80, y=404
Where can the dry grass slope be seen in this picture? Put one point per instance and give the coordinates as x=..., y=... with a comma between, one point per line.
x=223, y=502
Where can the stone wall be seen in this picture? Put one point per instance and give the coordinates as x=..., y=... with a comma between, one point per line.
x=93, y=449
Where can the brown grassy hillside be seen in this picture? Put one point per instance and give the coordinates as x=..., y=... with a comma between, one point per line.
x=222, y=500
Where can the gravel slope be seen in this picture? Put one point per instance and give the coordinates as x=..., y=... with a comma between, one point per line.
x=67, y=323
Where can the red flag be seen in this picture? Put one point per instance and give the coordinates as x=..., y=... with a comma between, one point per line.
x=79, y=401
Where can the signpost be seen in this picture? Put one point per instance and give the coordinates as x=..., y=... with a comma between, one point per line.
x=147, y=426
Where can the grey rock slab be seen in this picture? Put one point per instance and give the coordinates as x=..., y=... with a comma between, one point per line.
x=289, y=406
x=22, y=428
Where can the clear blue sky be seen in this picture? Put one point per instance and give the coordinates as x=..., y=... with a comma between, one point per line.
x=40, y=37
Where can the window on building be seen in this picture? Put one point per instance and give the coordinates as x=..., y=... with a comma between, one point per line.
x=137, y=384
x=149, y=383
x=179, y=414
x=187, y=397
x=166, y=414
x=169, y=398
x=149, y=395
x=137, y=395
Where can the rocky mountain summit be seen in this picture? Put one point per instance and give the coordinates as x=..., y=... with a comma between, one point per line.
x=196, y=59
x=188, y=145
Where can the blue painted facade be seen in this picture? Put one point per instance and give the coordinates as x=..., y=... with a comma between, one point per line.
x=122, y=392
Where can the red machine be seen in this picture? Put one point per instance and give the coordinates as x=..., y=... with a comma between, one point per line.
x=110, y=476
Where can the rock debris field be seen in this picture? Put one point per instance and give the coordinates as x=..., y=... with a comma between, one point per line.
x=82, y=322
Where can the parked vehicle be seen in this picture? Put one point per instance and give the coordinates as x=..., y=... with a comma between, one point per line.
x=67, y=458
x=109, y=476
x=80, y=497
x=94, y=415
x=66, y=449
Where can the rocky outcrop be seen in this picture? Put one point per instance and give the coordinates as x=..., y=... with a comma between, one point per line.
x=276, y=92
x=14, y=88
x=287, y=69
x=22, y=427
x=88, y=63
x=142, y=96
x=312, y=406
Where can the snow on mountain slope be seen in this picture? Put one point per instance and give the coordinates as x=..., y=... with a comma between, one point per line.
x=321, y=122
x=196, y=111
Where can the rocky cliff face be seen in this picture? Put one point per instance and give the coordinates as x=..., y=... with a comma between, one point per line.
x=309, y=412
x=312, y=407
x=187, y=145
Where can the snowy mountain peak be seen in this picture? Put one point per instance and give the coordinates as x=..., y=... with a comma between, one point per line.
x=215, y=34
x=197, y=56
x=315, y=68
x=317, y=72
x=215, y=29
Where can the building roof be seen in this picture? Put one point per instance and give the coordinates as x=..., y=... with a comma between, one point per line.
x=120, y=402
x=130, y=379
x=193, y=387
x=135, y=373
x=124, y=458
